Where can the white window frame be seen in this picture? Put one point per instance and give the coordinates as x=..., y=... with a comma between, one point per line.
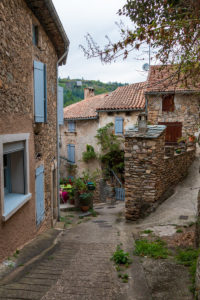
x=23, y=198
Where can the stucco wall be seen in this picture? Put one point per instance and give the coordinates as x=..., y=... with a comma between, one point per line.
x=130, y=118
x=84, y=134
x=186, y=111
x=17, y=112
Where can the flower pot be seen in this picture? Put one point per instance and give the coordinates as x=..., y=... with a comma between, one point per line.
x=85, y=208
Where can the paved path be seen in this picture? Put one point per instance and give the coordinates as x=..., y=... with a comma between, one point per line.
x=79, y=268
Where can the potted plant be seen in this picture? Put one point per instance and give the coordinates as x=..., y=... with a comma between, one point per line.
x=91, y=186
x=191, y=138
x=85, y=201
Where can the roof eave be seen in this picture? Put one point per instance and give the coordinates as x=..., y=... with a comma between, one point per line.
x=61, y=44
x=83, y=118
x=119, y=109
x=171, y=92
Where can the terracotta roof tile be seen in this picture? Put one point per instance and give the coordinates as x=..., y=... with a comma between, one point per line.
x=165, y=78
x=85, y=109
x=130, y=97
x=125, y=98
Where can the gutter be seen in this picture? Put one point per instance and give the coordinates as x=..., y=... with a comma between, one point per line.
x=77, y=119
x=171, y=92
x=119, y=110
x=56, y=18
x=64, y=56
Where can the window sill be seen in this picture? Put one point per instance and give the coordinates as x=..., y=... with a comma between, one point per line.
x=12, y=203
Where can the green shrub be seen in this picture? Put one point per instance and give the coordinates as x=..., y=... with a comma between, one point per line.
x=120, y=257
x=154, y=249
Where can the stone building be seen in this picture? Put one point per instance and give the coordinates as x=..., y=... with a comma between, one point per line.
x=172, y=102
x=33, y=44
x=83, y=119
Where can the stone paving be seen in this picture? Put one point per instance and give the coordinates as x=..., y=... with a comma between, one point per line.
x=80, y=267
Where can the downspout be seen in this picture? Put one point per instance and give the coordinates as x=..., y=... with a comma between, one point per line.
x=57, y=132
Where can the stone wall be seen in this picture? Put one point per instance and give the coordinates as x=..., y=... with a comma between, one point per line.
x=197, y=282
x=148, y=173
x=186, y=111
x=17, y=54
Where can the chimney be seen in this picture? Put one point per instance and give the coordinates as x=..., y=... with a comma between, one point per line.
x=142, y=122
x=88, y=92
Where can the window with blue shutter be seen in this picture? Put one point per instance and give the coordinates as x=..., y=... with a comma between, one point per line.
x=71, y=126
x=39, y=186
x=60, y=106
x=71, y=153
x=40, y=92
x=119, y=125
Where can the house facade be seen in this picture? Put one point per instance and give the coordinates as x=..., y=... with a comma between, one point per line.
x=172, y=103
x=83, y=119
x=32, y=45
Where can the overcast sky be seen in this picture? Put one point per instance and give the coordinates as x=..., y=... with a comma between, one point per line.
x=98, y=18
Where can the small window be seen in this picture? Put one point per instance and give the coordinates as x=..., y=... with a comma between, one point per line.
x=35, y=35
x=71, y=153
x=119, y=125
x=15, y=182
x=168, y=103
x=71, y=126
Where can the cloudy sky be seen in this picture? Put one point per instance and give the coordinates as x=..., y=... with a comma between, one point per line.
x=98, y=18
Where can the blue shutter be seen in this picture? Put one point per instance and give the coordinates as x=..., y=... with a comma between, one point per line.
x=71, y=153
x=60, y=106
x=39, y=186
x=71, y=126
x=118, y=125
x=45, y=93
x=39, y=91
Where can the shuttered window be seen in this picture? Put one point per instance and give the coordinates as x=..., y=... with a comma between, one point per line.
x=173, y=132
x=40, y=92
x=71, y=126
x=71, y=153
x=119, y=125
x=60, y=106
x=168, y=103
x=39, y=186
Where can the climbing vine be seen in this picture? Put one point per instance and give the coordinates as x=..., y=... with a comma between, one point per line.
x=112, y=155
x=89, y=154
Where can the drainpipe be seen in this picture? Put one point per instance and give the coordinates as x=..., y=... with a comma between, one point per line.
x=57, y=132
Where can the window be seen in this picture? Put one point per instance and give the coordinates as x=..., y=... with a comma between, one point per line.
x=15, y=172
x=71, y=126
x=35, y=35
x=168, y=103
x=173, y=132
x=119, y=125
x=40, y=92
x=71, y=153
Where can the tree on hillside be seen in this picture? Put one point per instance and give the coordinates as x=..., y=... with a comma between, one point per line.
x=172, y=27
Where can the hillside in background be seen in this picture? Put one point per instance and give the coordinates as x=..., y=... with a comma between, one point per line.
x=74, y=88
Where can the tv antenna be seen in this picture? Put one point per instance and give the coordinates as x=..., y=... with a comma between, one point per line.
x=146, y=66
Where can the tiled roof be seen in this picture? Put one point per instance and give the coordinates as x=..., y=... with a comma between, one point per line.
x=125, y=98
x=85, y=109
x=165, y=79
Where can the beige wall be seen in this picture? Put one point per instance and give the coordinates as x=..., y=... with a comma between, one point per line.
x=17, y=112
x=85, y=134
x=186, y=111
x=130, y=118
